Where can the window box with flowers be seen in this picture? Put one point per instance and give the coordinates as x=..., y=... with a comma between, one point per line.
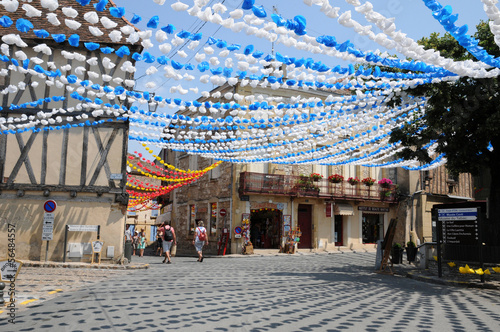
x=335, y=178
x=385, y=183
x=353, y=181
x=368, y=181
x=316, y=177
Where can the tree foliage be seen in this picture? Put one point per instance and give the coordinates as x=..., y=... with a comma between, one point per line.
x=462, y=116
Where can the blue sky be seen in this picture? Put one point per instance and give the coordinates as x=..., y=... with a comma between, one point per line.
x=411, y=17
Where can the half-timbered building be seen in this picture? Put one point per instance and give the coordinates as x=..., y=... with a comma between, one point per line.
x=76, y=155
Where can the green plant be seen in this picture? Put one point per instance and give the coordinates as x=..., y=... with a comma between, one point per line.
x=368, y=181
x=396, y=245
x=353, y=181
x=335, y=178
x=410, y=244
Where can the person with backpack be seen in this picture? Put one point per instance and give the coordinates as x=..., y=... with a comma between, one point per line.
x=200, y=238
x=169, y=239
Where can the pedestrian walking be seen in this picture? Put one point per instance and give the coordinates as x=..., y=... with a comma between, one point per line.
x=142, y=244
x=135, y=242
x=200, y=239
x=159, y=244
x=169, y=239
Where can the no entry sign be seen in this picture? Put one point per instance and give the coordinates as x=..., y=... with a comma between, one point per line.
x=50, y=206
x=222, y=212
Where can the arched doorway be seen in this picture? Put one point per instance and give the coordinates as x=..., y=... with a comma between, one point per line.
x=265, y=228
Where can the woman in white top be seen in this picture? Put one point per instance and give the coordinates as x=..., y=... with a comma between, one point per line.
x=200, y=238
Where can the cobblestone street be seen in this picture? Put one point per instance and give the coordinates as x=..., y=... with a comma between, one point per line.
x=303, y=292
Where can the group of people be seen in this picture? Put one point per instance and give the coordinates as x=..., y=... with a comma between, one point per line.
x=166, y=239
x=138, y=240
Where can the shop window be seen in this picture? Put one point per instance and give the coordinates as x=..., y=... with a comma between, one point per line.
x=373, y=228
x=213, y=219
x=192, y=219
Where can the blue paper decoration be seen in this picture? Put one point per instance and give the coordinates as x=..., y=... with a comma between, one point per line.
x=107, y=50
x=101, y=5
x=74, y=40
x=259, y=11
x=169, y=29
x=91, y=46
x=117, y=12
x=23, y=25
x=41, y=33
x=59, y=38
x=153, y=22
x=247, y=4
x=83, y=2
x=136, y=19
x=5, y=21
x=122, y=51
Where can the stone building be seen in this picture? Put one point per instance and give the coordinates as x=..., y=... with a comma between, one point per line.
x=277, y=198
x=73, y=158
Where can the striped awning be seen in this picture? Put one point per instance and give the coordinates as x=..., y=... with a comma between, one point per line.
x=343, y=209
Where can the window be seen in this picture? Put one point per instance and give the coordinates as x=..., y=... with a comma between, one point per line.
x=213, y=219
x=152, y=234
x=373, y=227
x=193, y=162
x=192, y=219
x=215, y=173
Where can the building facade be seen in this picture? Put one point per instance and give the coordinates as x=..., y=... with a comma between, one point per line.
x=262, y=203
x=73, y=158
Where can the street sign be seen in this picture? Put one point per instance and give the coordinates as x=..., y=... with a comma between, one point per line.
x=50, y=206
x=222, y=212
x=9, y=270
x=238, y=230
x=460, y=226
x=97, y=246
x=48, y=226
x=83, y=228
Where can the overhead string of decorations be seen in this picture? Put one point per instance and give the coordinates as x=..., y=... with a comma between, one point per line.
x=350, y=128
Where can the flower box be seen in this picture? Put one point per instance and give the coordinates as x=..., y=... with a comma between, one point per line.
x=385, y=183
x=335, y=178
x=316, y=177
x=368, y=181
x=353, y=181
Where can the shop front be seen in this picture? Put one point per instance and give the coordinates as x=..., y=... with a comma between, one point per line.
x=372, y=223
x=266, y=226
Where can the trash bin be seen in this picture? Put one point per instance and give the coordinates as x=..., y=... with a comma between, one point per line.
x=128, y=250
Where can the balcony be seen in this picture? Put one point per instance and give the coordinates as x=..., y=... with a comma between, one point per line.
x=303, y=186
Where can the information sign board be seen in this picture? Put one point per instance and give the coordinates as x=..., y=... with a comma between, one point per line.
x=460, y=226
x=9, y=270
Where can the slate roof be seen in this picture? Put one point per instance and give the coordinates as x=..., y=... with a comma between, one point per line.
x=84, y=33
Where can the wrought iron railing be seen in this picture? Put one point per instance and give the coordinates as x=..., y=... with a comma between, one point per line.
x=290, y=185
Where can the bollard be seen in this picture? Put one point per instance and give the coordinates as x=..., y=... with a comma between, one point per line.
x=128, y=250
x=2, y=301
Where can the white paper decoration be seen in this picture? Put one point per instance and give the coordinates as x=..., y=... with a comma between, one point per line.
x=179, y=6
x=91, y=17
x=107, y=23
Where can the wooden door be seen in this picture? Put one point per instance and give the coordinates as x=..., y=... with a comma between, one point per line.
x=339, y=241
x=305, y=223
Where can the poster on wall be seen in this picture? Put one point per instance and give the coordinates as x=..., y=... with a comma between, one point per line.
x=245, y=225
x=287, y=223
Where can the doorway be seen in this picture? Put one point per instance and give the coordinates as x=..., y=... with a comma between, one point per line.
x=265, y=228
x=339, y=241
x=373, y=227
x=305, y=222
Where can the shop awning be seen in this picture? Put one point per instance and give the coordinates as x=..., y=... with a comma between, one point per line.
x=343, y=210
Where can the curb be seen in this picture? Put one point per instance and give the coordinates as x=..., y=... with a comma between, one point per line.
x=85, y=266
x=455, y=283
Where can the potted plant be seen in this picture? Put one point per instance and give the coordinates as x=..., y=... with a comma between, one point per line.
x=316, y=177
x=335, y=178
x=368, y=181
x=396, y=253
x=385, y=183
x=353, y=181
x=411, y=251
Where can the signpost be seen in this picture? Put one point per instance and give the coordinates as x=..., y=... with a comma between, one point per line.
x=459, y=230
x=48, y=223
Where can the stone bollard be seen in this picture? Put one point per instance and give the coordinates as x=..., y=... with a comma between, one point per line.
x=2, y=301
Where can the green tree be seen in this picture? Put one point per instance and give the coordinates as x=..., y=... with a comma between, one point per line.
x=463, y=117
